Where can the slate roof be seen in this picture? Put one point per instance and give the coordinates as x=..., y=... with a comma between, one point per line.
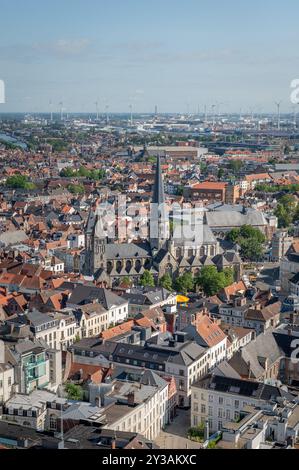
x=246, y=388
x=86, y=294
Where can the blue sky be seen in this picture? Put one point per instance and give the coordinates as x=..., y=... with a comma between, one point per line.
x=173, y=53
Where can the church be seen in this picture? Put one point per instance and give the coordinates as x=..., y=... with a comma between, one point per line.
x=108, y=262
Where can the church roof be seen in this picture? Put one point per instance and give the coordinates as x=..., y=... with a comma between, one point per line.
x=127, y=250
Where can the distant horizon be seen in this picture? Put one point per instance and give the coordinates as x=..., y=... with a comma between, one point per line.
x=180, y=56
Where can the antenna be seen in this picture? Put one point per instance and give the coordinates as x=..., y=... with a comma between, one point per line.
x=278, y=103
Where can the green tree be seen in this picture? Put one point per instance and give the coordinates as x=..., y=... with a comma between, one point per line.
x=286, y=210
x=76, y=188
x=147, y=279
x=235, y=166
x=19, y=181
x=220, y=173
x=210, y=280
x=247, y=231
x=166, y=281
x=67, y=172
x=184, y=283
x=233, y=235
x=127, y=280
x=74, y=392
x=251, y=249
x=250, y=239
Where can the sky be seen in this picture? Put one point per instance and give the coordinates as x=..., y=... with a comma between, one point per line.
x=180, y=55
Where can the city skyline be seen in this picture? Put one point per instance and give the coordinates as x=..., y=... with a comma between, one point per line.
x=177, y=57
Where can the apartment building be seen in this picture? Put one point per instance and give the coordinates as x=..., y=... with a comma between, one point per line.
x=7, y=380
x=207, y=333
x=116, y=306
x=34, y=366
x=168, y=355
x=216, y=399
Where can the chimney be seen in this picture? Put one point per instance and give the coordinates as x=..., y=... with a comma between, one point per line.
x=131, y=398
x=292, y=318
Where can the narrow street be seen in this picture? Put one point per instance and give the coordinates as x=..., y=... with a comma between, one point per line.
x=175, y=434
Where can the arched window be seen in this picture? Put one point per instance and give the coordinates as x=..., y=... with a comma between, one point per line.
x=118, y=266
x=137, y=265
x=128, y=265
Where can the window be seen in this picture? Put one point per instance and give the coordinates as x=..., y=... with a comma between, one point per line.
x=236, y=415
x=182, y=372
x=237, y=403
x=203, y=409
x=210, y=411
x=220, y=413
x=220, y=401
x=53, y=422
x=9, y=381
x=228, y=414
x=195, y=420
x=211, y=398
x=195, y=407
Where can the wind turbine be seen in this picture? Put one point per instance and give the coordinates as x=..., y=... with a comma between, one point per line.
x=97, y=110
x=213, y=114
x=278, y=103
x=61, y=110
x=51, y=110
x=107, y=117
x=131, y=115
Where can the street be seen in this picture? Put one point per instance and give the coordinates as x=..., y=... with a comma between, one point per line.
x=174, y=436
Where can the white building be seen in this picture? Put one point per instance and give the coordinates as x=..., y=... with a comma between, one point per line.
x=216, y=399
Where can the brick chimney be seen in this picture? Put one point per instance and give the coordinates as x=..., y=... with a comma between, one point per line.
x=131, y=398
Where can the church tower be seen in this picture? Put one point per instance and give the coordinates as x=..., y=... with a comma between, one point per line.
x=159, y=219
x=95, y=244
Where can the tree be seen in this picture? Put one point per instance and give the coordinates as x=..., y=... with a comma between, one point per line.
x=250, y=239
x=184, y=283
x=74, y=392
x=286, y=210
x=126, y=280
x=19, y=181
x=166, y=281
x=235, y=166
x=147, y=279
x=220, y=173
x=210, y=280
x=228, y=276
x=247, y=231
x=76, y=188
x=233, y=235
x=251, y=249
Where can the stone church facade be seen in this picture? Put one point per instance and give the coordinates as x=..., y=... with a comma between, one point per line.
x=109, y=262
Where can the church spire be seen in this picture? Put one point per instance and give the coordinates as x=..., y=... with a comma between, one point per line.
x=158, y=191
